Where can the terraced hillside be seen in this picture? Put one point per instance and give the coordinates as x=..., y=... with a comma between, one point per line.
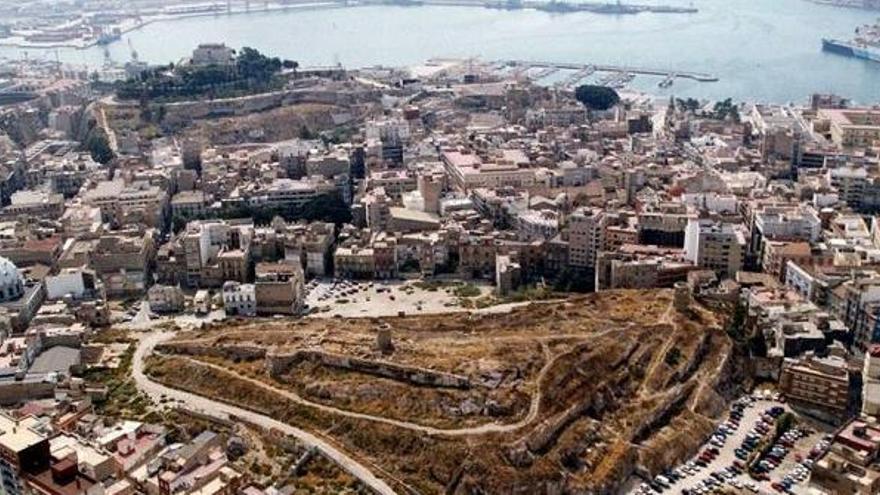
x=556, y=397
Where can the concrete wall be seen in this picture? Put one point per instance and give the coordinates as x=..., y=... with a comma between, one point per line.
x=235, y=353
x=277, y=364
x=187, y=111
x=13, y=392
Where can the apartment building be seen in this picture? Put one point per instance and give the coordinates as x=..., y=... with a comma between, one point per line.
x=279, y=288
x=716, y=246
x=139, y=203
x=394, y=182
x=778, y=254
x=124, y=262
x=640, y=267
x=206, y=254
x=370, y=256
x=871, y=383
x=38, y=204
x=466, y=171
x=819, y=384
x=239, y=299
x=585, y=230
x=784, y=224
x=662, y=228
x=850, y=182
x=851, y=463
x=851, y=127
x=165, y=298
x=188, y=204
x=23, y=451
x=293, y=193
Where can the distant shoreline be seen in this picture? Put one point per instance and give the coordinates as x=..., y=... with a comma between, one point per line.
x=85, y=45
x=845, y=4
x=318, y=5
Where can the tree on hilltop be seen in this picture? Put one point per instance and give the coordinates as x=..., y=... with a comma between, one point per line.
x=596, y=97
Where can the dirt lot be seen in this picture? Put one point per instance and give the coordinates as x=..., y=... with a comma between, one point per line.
x=279, y=124
x=552, y=396
x=357, y=299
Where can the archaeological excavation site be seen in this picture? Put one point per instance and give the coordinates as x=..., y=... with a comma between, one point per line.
x=554, y=397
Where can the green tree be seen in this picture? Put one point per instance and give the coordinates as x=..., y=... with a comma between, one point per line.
x=673, y=357
x=327, y=208
x=306, y=133
x=736, y=328
x=178, y=223
x=254, y=65
x=784, y=423
x=98, y=146
x=252, y=71
x=596, y=97
x=688, y=104
x=724, y=110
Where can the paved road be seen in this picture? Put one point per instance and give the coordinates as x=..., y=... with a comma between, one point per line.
x=223, y=411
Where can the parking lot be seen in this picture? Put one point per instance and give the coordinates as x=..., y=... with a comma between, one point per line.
x=352, y=298
x=720, y=464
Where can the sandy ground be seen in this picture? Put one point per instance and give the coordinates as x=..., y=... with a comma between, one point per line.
x=328, y=299
x=375, y=298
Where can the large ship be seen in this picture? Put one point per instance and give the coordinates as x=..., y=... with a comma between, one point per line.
x=865, y=45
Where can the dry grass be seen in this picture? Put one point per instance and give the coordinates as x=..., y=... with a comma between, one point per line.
x=607, y=354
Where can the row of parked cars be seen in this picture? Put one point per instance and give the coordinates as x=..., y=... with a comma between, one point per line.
x=340, y=288
x=771, y=459
x=717, y=479
x=801, y=471
x=662, y=482
x=728, y=475
x=756, y=434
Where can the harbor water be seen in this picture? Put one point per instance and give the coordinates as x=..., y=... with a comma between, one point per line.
x=761, y=50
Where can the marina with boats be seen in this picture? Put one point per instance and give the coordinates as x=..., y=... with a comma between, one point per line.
x=615, y=76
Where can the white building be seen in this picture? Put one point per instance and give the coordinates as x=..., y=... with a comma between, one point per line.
x=871, y=381
x=712, y=202
x=586, y=228
x=716, y=246
x=469, y=172
x=165, y=298
x=239, y=299
x=72, y=282
x=11, y=282
x=537, y=225
x=788, y=224
x=850, y=183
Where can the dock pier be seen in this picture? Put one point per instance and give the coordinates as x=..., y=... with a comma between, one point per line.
x=612, y=75
x=579, y=76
